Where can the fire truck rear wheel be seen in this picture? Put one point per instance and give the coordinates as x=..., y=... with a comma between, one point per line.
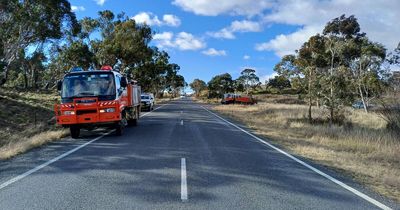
x=75, y=131
x=119, y=126
x=133, y=121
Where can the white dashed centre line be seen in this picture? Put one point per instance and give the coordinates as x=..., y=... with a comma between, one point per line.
x=184, y=193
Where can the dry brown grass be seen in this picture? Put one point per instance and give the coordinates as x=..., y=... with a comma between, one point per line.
x=365, y=150
x=22, y=145
x=26, y=121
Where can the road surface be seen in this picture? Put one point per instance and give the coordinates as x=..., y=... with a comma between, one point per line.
x=180, y=156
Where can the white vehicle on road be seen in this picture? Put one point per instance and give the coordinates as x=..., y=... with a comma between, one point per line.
x=147, y=101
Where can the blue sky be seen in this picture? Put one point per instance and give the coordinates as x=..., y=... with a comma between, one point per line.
x=208, y=37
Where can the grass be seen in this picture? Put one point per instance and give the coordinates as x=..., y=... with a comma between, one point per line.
x=362, y=148
x=26, y=121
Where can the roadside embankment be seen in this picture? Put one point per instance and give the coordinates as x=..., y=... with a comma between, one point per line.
x=26, y=121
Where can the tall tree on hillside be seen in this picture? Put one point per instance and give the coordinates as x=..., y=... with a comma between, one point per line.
x=197, y=86
x=338, y=33
x=394, y=57
x=89, y=25
x=249, y=79
x=155, y=74
x=220, y=84
x=311, y=61
x=24, y=23
x=35, y=64
x=279, y=82
x=130, y=43
x=123, y=41
x=365, y=68
x=289, y=68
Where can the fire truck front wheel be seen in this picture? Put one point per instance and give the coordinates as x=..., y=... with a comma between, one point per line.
x=75, y=131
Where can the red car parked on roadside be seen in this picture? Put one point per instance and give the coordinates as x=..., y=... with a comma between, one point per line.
x=230, y=98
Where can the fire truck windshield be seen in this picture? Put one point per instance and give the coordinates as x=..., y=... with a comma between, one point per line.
x=87, y=84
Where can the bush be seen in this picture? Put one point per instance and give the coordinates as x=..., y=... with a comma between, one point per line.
x=289, y=91
x=391, y=114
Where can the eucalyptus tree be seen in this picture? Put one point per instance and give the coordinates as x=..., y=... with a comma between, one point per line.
x=25, y=23
x=366, y=68
x=335, y=79
x=311, y=62
x=249, y=79
x=197, y=86
x=220, y=84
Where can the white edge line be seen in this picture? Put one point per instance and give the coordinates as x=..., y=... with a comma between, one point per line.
x=37, y=168
x=347, y=187
x=184, y=194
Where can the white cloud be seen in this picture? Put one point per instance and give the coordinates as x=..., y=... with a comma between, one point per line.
x=151, y=19
x=182, y=41
x=380, y=23
x=214, y=52
x=245, y=26
x=77, y=8
x=246, y=57
x=287, y=44
x=147, y=18
x=264, y=78
x=100, y=2
x=163, y=36
x=164, y=39
x=222, y=34
x=186, y=41
x=171, y=20
x=236, y=26
x=233, y=7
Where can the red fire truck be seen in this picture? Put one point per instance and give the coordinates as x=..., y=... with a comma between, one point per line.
x=99, y=98
x=230, y=98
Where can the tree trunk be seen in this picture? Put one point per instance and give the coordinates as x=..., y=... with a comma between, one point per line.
x=25, y=79
x=331, y=87
x=310, y=97
x=4, y=78
x=309, y=110
x=363, y=99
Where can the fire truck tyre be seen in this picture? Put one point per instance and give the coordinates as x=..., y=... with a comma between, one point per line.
x=119, y=126
x=132, y=122
x=75, y=131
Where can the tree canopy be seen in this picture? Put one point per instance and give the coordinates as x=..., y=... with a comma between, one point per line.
x=63, y=42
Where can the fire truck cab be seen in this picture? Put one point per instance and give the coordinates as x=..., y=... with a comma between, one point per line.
x=99, y=98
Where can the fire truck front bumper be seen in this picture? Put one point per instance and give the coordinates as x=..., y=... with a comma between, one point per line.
x=89, y=116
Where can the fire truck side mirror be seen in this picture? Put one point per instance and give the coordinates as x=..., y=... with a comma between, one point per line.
x=124, y=82
x=59, y=84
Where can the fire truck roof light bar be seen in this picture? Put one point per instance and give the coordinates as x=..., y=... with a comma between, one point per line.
x=106, y=68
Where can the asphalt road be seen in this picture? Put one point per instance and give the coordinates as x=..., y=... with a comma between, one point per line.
x=180, y=156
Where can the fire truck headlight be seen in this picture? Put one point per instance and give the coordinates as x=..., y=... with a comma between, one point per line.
x=108, y=110
x=69, y=113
